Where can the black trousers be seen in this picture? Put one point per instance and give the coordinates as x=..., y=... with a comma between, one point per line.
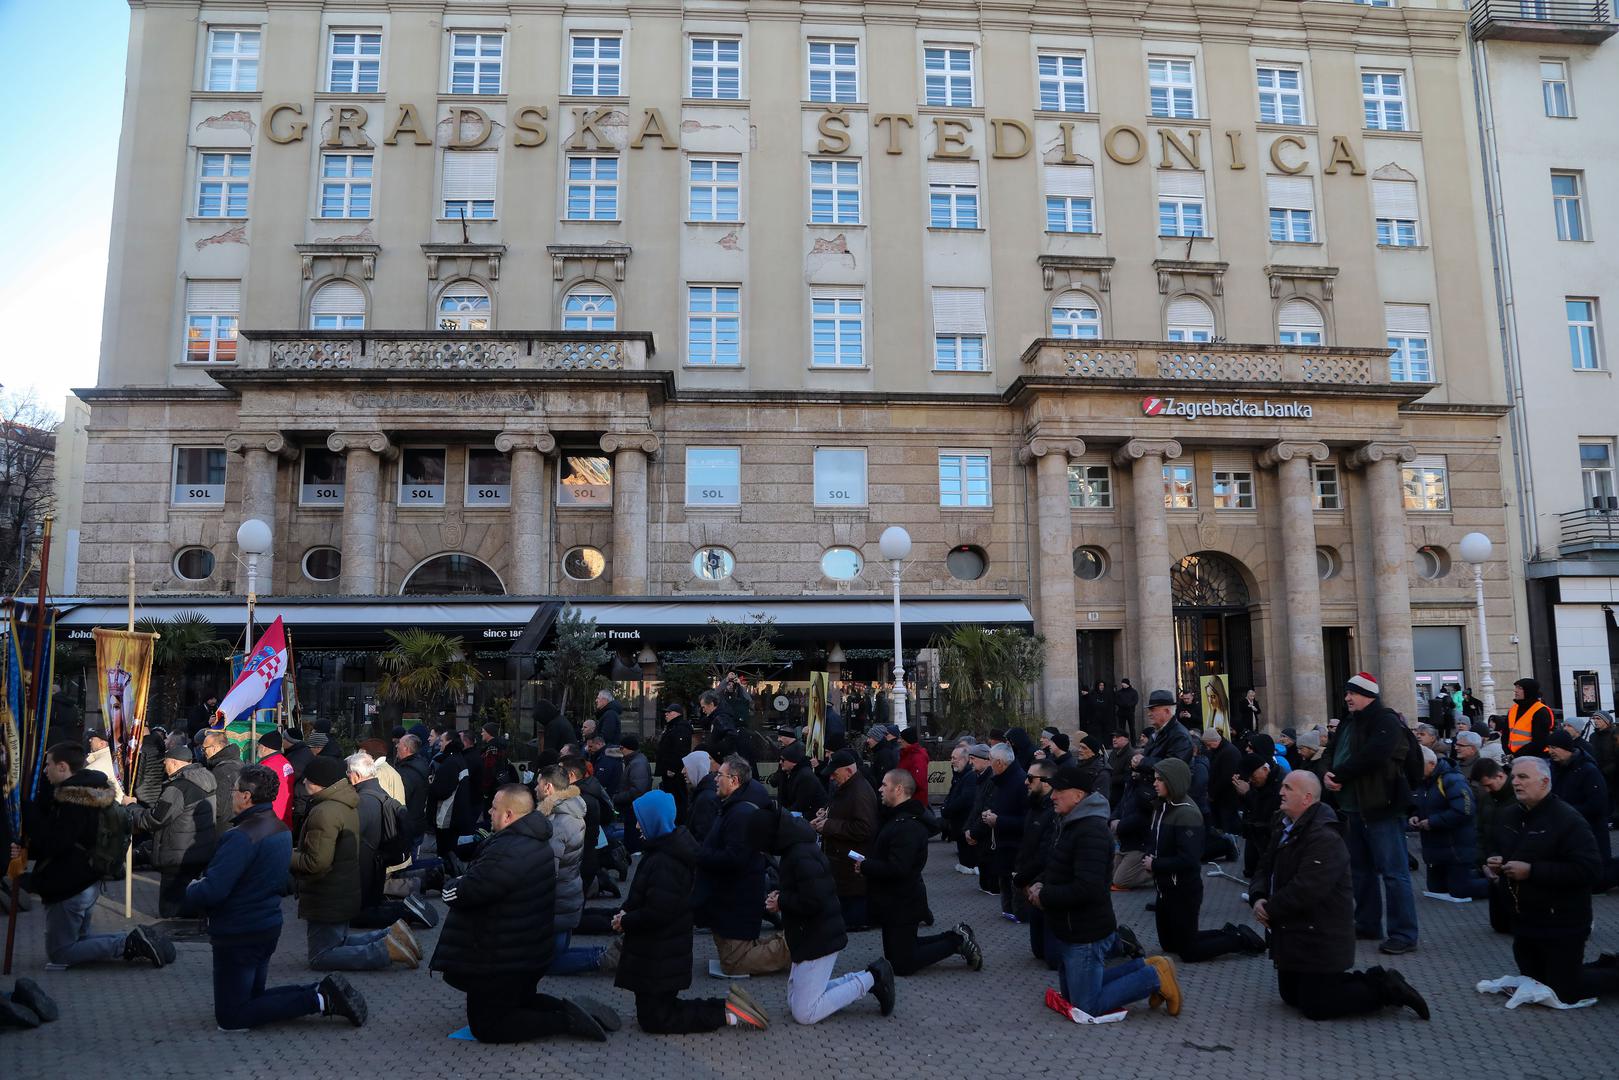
x=910, y=954
x=667, y=1014
x=966, y=854
x=1557, y=962
x=1329, y=995
x=510, y=1008
x=1256, y=838
x=384, y=915
x=171, y=889
x=1177, y=914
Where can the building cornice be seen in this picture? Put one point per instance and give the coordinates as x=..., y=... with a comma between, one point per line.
x=140, y=395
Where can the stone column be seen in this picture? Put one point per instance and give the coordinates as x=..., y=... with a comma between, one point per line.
x=630, y=450
x=261, y=452
x=362, y=497
x=527, y=571
x=1391, y=570
x=1155, y=607
x=1055, y=564
x=1306, y=665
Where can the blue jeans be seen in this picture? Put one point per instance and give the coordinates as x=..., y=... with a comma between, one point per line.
x=241, y=965
x=1089, y=984
x=68, y=940
x=572, y=961
x=1377, y=862
x=333, y=948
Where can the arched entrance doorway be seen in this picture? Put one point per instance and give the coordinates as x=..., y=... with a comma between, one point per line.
x=1212, y=632
x=447, y=575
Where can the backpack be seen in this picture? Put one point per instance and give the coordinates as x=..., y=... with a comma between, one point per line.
x=1411, y=760
x=111, y=848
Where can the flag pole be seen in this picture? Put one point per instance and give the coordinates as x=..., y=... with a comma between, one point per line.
x=30, y=736
x=129, y=853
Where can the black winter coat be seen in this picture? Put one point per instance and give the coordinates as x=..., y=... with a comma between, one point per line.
x=413, y=774
x=1224, y=761
x=451, y=777
x=1367, y=759
x=731, y=892
x=149, y=775
x=673, y=745
x=182, y=822
x=559, y=733
x=1038, y=824
x=381, y=838
x=1170, y=741
x=226, y=767
x=1579, y=783
x=609, y=722
x=1554, y=901
x=61, y=825
x=705, y=806
x=958, y=804
x=802, y=791
x=1307, y=890
x=1078, y=874
x=501, y=910
x=811, y=917
x=657, y=917
x=851, y=823
x=883, y=759
x=895, y=892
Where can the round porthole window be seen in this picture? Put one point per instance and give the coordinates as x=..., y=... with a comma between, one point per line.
x=193, y=564
x=966, y=563
x=584, y=563
x=1090, y=563
x=713, y=564
x=1327, y=563
x=323, y=564
x=1433, y=563
x=841, y=563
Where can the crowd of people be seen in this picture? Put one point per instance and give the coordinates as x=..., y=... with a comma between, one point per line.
x=582, y=834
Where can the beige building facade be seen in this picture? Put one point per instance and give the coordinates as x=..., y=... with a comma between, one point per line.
x=1167, y=326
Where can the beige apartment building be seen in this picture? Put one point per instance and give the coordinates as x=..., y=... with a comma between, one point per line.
x=1166, y=331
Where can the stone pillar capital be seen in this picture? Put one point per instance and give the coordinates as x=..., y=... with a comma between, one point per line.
x=644, y=441
x=1136, y=449
x=341, y=442
x=1373, y=452
x=1042, y=445
x=542, y=441
x=271, y=442
x=1272, y=456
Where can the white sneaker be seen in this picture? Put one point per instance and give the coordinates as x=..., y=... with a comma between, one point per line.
x=1435, y=895
x=1245, y=898
x=964, y=869
x=975, y=871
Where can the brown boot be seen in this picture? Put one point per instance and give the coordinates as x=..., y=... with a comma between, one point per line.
x=1168, y=988
x=402, y=946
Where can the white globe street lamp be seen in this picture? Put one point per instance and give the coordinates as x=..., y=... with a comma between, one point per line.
x=1475, y=549
x=253, y=537
x=895, y=546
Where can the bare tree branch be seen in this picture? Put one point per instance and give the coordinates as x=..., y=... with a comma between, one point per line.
x=27, y=484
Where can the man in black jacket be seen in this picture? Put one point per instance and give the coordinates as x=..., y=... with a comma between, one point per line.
x=609, y=721
x=1125, y=700
x=450, y=780
x=499, y=937
x=1003, y=814
x=383, y=840
x=1169, y=736
x=731, y=882
x=1176, y=863
x=1039, y=821
x=411, y=765
x=674, y=744
x=1224, y=760
x=1578, y=782
x=801, y=790
x=958, y=804
x=882, y=754
x=181, y=825
x=223, y=758
x=1545, y=860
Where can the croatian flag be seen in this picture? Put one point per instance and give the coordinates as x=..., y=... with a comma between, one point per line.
x=259, y=684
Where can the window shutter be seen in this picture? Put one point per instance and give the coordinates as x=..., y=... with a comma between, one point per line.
x=1180, y=183
x=1406, y=318
x=1232, y=462
x=1191, y=312
x=1300, y=315
x=1076, y=180
x=959, y=311
x=952, y=172
x=1428, y=461
x=1395, y=199
x=338, y=298
x=836, y=292
x=1291, y=192
x=213, y=297
x=469, y=174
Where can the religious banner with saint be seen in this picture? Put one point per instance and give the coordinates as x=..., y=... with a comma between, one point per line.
x=815, y=715
x=123, y=678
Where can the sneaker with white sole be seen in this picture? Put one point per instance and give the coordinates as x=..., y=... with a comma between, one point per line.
x=422, y=913
x=747, y=1011
x=144, y=943
x=340, y=998
x=960, y=869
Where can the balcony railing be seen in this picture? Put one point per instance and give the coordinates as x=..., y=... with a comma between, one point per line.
x=1580, y=22
x=1257, y=365
x=444, y=351
x=1590, y=529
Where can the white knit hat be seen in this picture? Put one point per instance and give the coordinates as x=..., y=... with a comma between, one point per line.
x=1364, y=683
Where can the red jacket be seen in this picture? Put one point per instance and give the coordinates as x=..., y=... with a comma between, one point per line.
x=914, y=760
x=278, y=764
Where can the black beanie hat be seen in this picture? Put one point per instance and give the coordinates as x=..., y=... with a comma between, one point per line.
x=325, y=771
x=270, y=740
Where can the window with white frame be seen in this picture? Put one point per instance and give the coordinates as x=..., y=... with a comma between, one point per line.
x=947, y=76
x=1062, y=82
x=959, y=328
x=1382, y=95
x=1281, y=94
x=1568, y=204
x=595, y=65
x=589, y=307
x=469, y=184
x=1180, y=487
x=1410, y=335
x=345, y=185
x=714, y=325
x=1325, y=485
x=422, y=470
x=1181, y=203
x=476, y=62
x=1554, y=88
x=464, y=306
x=592, y=187
x=837, y=327
x=222, y=181
x=834, y=192
x=952, y=195
x=1394, y=204
x=1189, y=319
x=1584, y=345
x=714, y=189
x=964, y=478
x=840, y=476
x=1292, y=209
x=1300, y=324
x=1090, y=487
x=489, y=477
x=199, y=476
x=1376, y=3
x=1233, y=486
x=834, y=71
x=213, y=309
x=1075, y=315
x=1427, y=483
x=716, y=68
x=1171, y=87
x=713, y=476
x=354, y=61
x=1596, y=472
x=337, y=305
x=1070, y=198
x=233, y=61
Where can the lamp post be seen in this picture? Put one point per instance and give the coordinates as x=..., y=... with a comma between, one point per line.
x=895, y=545
x=1475, y=548
x=253, y=537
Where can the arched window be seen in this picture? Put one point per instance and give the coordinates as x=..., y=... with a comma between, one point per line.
x=1075, y=315
x=1190, y=319
x=464, y=306
x=589, y=307
x=445, y=575
x=1300, y=323
x=337, y=305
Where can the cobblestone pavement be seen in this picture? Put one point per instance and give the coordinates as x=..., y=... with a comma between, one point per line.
x=134, y=1022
